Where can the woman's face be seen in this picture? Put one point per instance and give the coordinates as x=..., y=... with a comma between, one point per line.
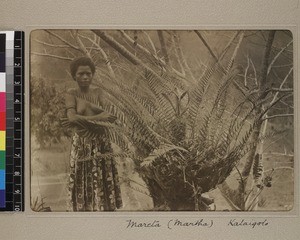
x=84, y=76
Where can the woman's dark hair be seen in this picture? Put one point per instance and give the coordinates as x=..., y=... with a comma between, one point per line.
x=81, y=61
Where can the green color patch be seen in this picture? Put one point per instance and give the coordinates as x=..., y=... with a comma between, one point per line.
x=2, y=159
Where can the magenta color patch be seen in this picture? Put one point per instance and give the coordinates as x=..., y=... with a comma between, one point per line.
x=2, y=102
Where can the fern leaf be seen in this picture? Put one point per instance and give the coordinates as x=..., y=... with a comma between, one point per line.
x=159, y=152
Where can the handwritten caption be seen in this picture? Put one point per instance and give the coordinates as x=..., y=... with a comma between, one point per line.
x=198, y=223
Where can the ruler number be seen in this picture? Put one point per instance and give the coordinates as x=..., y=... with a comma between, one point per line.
x=17, y=208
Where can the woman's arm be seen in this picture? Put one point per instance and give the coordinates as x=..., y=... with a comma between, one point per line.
x=103, y=116
x=70, y=103
x=72, y=115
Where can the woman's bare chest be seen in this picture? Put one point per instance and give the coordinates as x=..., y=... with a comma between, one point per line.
x=86, y=108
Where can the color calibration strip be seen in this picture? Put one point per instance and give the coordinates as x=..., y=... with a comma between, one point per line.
x=12, y=115
x=2, y=119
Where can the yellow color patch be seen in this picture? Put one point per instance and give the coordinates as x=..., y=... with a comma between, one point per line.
x=2, y=140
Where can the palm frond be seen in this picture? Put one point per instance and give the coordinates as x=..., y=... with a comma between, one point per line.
x=197, y=94
x=159, y=152
x=138, y=127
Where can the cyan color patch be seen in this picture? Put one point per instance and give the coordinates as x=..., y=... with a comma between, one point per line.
x=2, y=179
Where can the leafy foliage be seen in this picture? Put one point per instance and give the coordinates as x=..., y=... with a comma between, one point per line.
x=38, y=205
x=47, y=108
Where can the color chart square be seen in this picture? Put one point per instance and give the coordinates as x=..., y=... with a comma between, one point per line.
x=2, y=101
x=2, y=62
x=2, y=82
x=2, y=121
x=2, y=42
x=2, y=164
x=2, y=179
x=2, y=160
x=2, y=140
x=2, y=198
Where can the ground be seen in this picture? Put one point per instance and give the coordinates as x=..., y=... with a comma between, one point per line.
x=49, y=178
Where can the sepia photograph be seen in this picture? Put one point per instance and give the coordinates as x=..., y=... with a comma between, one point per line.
x=161, y=120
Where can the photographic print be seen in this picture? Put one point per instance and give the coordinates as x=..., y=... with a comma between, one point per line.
x=161, y=120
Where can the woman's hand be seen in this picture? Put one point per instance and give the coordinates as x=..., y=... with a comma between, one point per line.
x=105, y=116
x=75, y=118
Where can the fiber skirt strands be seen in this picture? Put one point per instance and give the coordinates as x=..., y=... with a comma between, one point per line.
x=94, y=184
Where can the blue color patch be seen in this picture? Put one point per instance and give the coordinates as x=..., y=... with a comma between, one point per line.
x=2, y=199
x=2, y=179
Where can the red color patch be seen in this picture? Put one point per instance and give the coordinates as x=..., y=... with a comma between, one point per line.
x=2, y=121
x=2, y=101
